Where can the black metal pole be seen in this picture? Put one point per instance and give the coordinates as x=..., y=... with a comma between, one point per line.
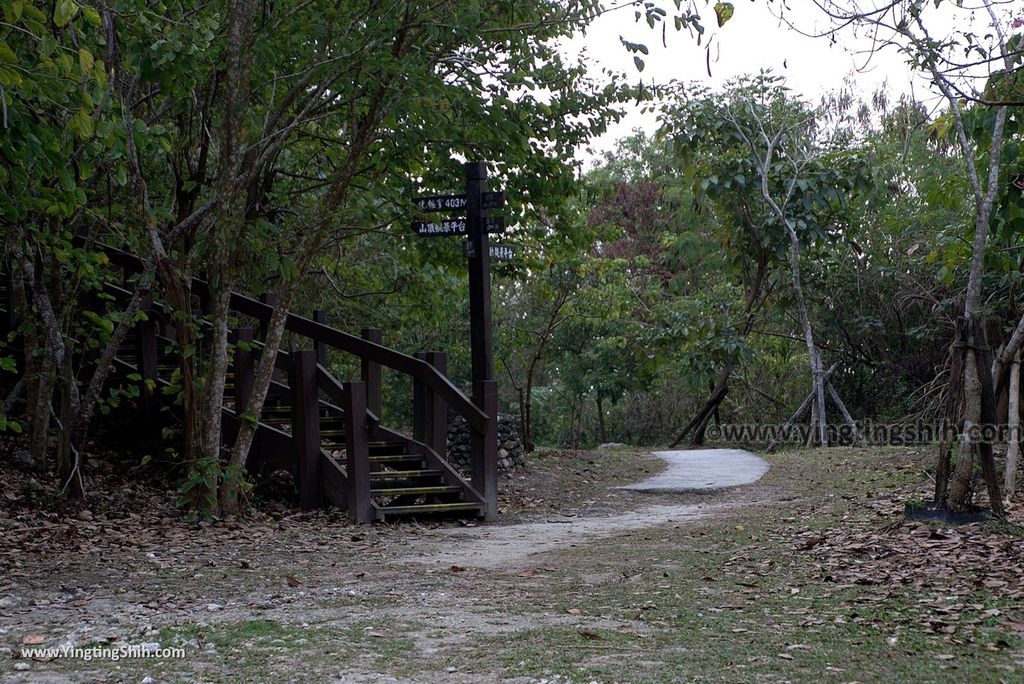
x=479, y=279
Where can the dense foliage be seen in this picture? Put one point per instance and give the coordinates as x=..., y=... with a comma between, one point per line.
x=275, y=148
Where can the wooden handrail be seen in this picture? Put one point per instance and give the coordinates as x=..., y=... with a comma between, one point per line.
x=345, y=342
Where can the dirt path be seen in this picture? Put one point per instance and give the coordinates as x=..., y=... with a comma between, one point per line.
x=595, y=584
x=515, y=546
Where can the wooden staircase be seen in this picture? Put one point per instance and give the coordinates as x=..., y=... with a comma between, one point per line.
x=326, y=433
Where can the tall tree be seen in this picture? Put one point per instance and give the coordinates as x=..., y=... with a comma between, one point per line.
x=992, y=62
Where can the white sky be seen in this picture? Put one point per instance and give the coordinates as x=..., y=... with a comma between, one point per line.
x=753, y=39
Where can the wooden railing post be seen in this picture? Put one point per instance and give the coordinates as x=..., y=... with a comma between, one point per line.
x=306, y=427
x=419, y=405
x=357, y=453
x=370, y=372
x=245, y=368
x=437, y=409
x=484, y=446
x=320, y=316
x=146, y=356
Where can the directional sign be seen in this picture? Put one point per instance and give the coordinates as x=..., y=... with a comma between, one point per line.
x=458, y=226
x=491, y=200
x=499, y=252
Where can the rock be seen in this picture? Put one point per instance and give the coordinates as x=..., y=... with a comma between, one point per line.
x=150, y=646
x=22, y=666
x=147, y=680
x=23, y=460
x=213, y=606
x=11, y=602
x=611, y=445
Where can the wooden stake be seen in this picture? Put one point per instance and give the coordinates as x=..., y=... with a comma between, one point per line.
x=847, y=418
x=800, y=411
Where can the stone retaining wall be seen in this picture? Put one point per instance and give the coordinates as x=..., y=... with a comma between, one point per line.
x=510, y=445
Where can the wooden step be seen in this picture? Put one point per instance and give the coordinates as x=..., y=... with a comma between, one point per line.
x=404, y=474
x=428, y=509
x=396, y=458
x=400, y=491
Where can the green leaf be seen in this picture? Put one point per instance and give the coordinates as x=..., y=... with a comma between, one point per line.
x=7, y=54
x=81, y=125
x=63, y=12
x=639, y=63
x=13, y=9
x=724, y=11
x=85, y=61
x=9, y=77
x=92, y=16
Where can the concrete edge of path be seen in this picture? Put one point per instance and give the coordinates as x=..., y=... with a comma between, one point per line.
x=703, y=470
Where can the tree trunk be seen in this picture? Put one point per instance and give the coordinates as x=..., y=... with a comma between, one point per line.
x=522, y=414
x=528, y=442
x=951, y=418
x=1013, y=425
x=40, y=409
x=958, y=495
x=600, y=419
x=814, y=360
x=69, y=459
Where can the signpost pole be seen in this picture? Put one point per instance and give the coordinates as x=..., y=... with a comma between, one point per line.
x=484, y=446
x=479, y=279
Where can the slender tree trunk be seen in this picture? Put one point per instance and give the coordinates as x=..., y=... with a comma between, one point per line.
x=1013, y=425
x=952, y=416
x=814, y=360
x=522, y=414
x=528, y=442
x=42, y=394
x=600, y=418
x=960, y=484
x=818, y=415
x=69, y=458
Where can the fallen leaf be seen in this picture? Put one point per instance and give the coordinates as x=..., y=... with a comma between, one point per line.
x=33, y=639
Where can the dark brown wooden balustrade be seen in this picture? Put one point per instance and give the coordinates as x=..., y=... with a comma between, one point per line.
x=328, y=433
